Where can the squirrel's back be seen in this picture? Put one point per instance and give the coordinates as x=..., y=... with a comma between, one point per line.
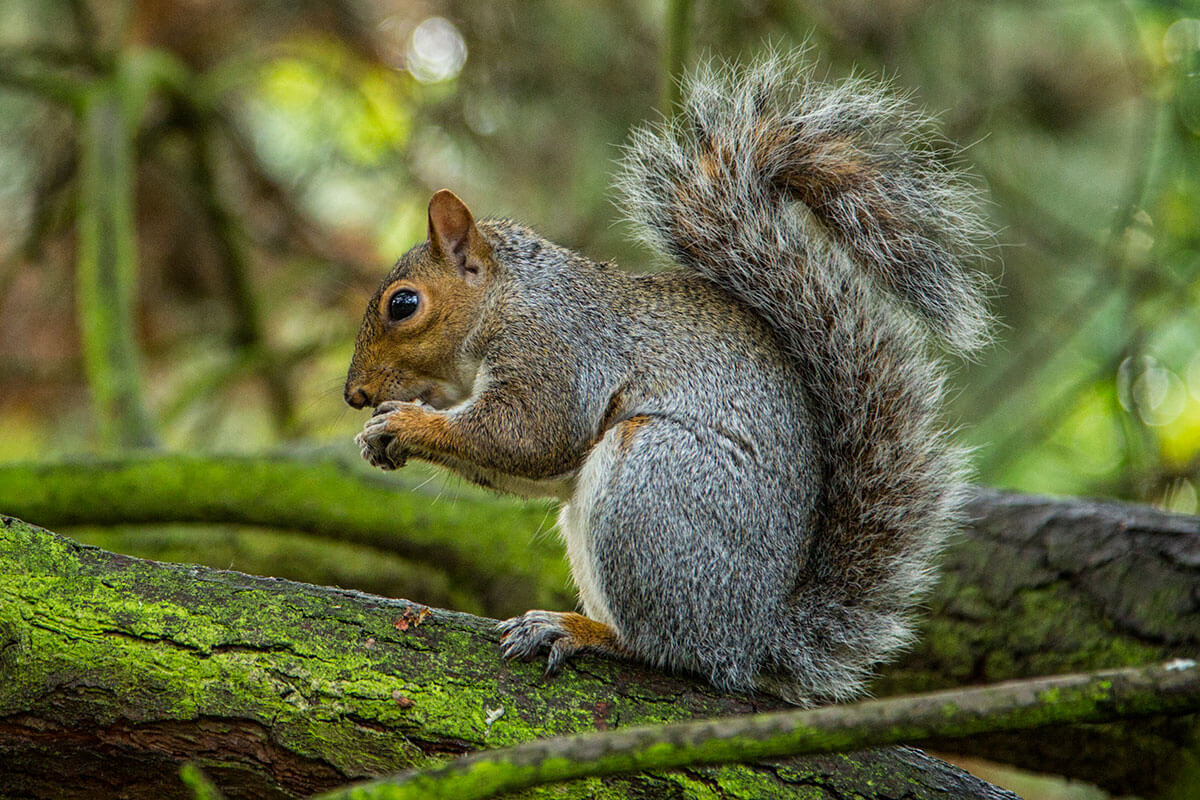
x=825, y=210
x=667, y=342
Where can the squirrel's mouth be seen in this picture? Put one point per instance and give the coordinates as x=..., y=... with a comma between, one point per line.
x=434, y=397
x=436, y=394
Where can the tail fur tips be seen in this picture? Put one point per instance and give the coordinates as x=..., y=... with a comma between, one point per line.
x=707, y=186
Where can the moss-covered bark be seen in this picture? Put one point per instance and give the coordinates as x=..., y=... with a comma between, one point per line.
x=1033, y=587
x=113, y=671
x=1171, y=688
x=1039, y=586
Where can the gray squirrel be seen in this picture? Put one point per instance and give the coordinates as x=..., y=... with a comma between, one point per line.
x=747, y=446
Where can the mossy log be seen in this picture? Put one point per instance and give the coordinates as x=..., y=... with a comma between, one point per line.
x=114, y=671
x=1040, y=586
x=1156, y=689
x=1034, y=586
x=486, y=544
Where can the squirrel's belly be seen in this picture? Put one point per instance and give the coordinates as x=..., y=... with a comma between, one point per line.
x=574, y=525
x=559, y=487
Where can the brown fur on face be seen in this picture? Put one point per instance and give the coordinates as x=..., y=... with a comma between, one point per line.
x=423, y=356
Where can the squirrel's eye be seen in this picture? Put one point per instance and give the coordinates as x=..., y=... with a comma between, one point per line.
x=403, y=304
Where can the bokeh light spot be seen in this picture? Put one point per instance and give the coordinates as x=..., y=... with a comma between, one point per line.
x=436, y=51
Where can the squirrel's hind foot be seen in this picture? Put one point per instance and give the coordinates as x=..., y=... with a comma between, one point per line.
x=564, y=632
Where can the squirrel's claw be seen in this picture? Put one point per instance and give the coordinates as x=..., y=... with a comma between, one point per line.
x=377, y=441
x=386, y=407
x=564, y=632
x=375, y=451
x=522, y=637
x=562, y=649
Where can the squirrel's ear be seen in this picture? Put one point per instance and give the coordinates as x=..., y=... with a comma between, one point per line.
x=454, y=237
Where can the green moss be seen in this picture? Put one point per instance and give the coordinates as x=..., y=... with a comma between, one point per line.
x=195, y=780
x=1040, y=630
x=1053, y=695
x=321, y=673
x=294, y=556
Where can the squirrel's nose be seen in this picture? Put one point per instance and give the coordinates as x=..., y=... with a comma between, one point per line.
x=357, y=397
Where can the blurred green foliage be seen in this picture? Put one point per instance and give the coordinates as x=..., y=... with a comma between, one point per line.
x=329, y=124
x=318, y=130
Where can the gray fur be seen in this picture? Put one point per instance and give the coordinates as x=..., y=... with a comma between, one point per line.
x=713, y=189
x=904, y=217
x=698, y=526
x=748, y=445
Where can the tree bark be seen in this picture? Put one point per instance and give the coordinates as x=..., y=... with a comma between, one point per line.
x=1110, y=695
x=1038, y=586
x=115, y=671
x=1034, y=586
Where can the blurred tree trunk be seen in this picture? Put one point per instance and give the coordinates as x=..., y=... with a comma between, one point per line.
x=115, y=671
x=106, y=269
x=1033, y=587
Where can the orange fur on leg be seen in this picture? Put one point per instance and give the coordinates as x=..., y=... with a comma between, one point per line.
x=565, y=632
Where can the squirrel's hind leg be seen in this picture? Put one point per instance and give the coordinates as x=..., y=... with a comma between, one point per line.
x=692, y=544
x=564, y=632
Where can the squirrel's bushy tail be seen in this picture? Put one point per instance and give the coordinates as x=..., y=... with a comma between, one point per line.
x=716, y=188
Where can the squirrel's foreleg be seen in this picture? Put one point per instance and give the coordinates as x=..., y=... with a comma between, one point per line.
x=397, y=429
x=495, y=431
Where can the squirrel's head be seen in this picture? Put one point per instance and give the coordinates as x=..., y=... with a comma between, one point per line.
x=410, y=344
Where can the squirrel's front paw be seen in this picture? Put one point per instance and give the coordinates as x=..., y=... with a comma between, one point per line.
x=378, y=438
x=565, y=633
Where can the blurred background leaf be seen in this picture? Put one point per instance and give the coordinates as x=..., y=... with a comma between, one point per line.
x=277, y=185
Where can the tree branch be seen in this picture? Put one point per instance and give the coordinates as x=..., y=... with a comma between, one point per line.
x=1040, y=585
x=1172, y=688
x=107, y=263
x=115, y=671
x=106, y=271
x=1034, y=586
x=482, y=542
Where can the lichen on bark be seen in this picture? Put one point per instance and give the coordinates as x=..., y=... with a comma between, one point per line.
x=1033, y=586
x=115, y=671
